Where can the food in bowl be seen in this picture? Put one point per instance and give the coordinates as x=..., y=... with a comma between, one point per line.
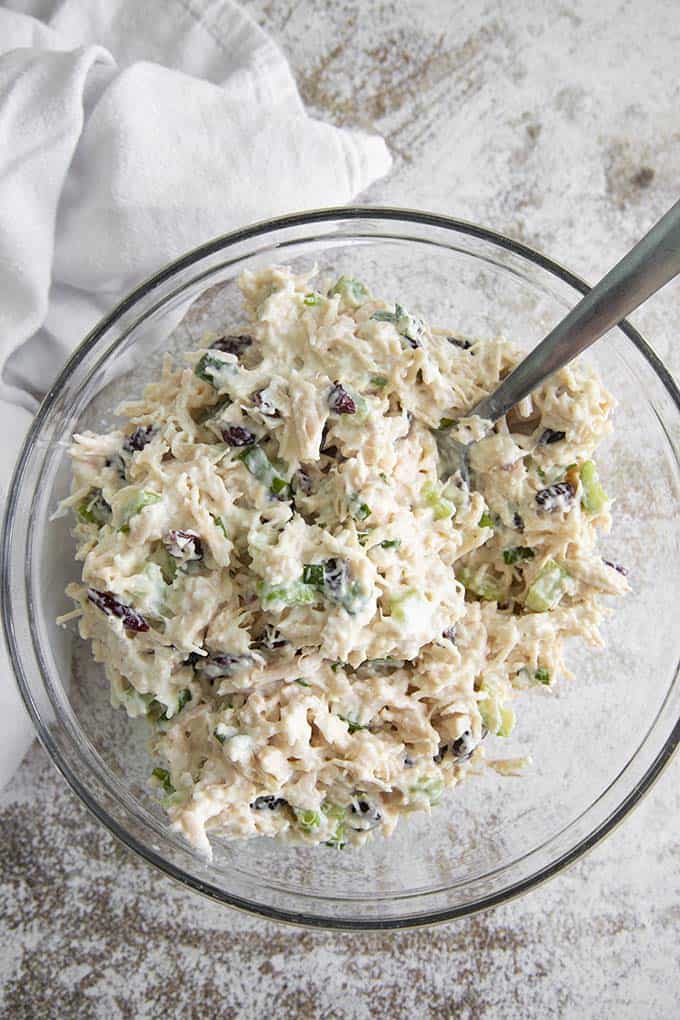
x=321, y=632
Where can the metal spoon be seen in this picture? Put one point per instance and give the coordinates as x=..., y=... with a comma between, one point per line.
x=645, y=269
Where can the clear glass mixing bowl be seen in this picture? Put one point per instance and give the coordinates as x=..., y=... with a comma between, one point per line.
x=597, y=742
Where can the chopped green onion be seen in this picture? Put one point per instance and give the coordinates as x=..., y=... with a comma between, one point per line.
x=542, y=676
x=183, y=698
x=312, y=299
x=219, y=523
x=260, y=467
x=301, y=682
x=390, y=543
x=219, y=736
x=213, y=369
x=335, y=666
x=163, y=777
x=519, y=552
x=362, y=511
x=313, y=573
x=353, y=726
x=446, y=423
x=379, y=381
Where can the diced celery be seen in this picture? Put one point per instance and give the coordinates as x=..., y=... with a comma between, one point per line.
x=548, y=588
x=480, y=584
x=399, y=604
x=429, y=787
x=312, y=299
x=94, y=509
x=313, y=573
x=441, y=508
x=143, y=498
x=294, y=594
x=307, y=820
x=507, y=722
x=353, y=292
x=486, y=520
x=593, y=496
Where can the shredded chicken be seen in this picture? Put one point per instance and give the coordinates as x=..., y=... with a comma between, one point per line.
x=320, y=631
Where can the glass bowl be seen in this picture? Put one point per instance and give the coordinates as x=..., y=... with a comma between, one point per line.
x=597, y=742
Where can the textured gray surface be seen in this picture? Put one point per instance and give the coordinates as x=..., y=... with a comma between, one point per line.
x=556, y=124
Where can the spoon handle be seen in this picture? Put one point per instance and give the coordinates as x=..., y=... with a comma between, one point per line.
x=645, y=269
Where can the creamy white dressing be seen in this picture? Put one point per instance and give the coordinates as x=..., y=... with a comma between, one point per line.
x=320, y=633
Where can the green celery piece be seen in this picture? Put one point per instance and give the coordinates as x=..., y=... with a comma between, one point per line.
x=593, y=496
x=335, y=811
x=547, y=589
x=430, y=787
x=507, y=722
x=337, y=840
x=519, y=552
x=307, y=820
x=352, y=291
x=163, y=776
x=442, y=508
x=295, y=594
x=485, y=587
x=94, y=509
x=143, y=499
x=312, y=299
x=486, y=520
x=397, y=610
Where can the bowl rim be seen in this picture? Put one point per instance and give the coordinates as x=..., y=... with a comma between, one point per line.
x=357, y=213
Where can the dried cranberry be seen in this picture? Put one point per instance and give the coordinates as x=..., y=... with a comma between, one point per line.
x=551, y=436
x=184, y=545
x=464, y=746
x=235, y=345
x=617, y=567
x=109, y=604
x=238, y=435
x=555, y=497
x=225, y=664
x=138, y=439
x=268, y=803
x=339, y=400
x=303, y=483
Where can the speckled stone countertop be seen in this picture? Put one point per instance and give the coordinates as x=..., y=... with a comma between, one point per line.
x=558, y=124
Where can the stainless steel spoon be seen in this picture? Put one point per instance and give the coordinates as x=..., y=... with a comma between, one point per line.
x=645, y=269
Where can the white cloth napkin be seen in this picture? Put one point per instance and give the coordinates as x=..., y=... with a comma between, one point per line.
x=130, y=131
